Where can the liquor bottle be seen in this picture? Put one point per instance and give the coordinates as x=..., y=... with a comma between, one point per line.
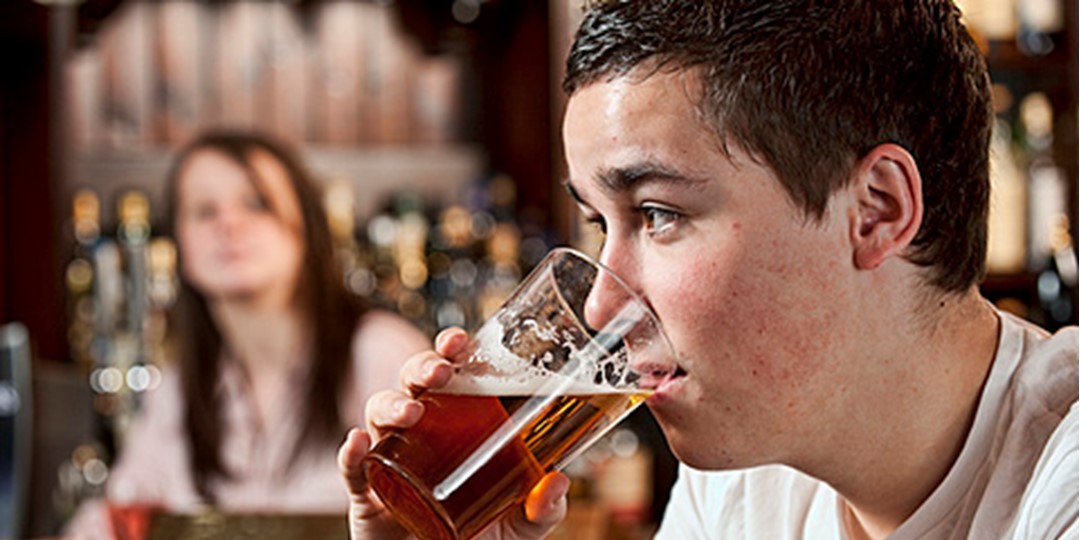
x=994, y=20
x=501, y=266
x=381, y=234
x=1006, y=242
x=450, y=256
x=1045, y=178
x=79, y=276
x=501, y=269
x=162, y=289
x=163, y=284
x=108, y=300
x=409, y=256
x=1039, y=26
x=108, y=303
x=1057, y=281
x=125, y=374
x=341, y=218
x=623, y=481
x=133, y=234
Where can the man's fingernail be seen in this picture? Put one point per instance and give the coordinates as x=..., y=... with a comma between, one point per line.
x=431, y=370
x=440, y=342
x=400, y=407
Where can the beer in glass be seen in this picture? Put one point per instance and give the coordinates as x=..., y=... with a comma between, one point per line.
x=542, y=382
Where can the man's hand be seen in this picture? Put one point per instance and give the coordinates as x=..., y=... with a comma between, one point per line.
x=544, y=508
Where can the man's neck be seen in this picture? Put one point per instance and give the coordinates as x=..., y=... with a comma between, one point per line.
x=919, y=410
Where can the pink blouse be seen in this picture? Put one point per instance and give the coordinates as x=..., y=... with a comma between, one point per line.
x=154, y=469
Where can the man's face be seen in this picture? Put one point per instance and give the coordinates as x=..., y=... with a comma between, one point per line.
x=747, y=287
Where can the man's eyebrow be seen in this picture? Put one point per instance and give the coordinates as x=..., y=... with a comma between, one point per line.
x=626, y=178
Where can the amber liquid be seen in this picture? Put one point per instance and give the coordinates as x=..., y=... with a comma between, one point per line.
x=407, y=468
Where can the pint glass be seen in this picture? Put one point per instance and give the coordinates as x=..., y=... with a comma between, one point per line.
x=570, y=353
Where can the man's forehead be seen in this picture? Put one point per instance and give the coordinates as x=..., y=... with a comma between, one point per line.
x=688, y=81
x=660, y=105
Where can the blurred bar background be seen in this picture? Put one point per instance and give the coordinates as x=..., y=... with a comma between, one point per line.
x=433, y=126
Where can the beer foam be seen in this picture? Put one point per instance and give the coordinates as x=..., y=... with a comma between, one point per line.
x=493, y=370
x=493, y=387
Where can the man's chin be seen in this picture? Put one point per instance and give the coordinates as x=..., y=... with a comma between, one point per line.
x=690, y=451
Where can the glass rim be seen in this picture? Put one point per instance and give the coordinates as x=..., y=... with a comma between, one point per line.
x=647, y=308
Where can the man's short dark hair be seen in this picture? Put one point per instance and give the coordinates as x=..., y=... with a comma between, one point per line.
x=808, y=87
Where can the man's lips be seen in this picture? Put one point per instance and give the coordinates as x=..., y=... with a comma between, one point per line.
x=654, y=377
x=668, y=385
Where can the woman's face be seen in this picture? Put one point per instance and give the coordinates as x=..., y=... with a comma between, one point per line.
x=239, y=242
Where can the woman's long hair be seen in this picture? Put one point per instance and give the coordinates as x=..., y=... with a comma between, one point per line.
x=321, y=294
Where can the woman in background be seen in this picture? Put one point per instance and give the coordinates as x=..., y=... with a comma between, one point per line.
x=274, y=356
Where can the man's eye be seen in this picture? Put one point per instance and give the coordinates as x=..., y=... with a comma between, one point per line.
x=659, y=220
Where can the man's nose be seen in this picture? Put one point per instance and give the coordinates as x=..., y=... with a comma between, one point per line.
x=608, y=296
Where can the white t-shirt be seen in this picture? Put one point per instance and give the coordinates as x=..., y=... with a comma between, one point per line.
x=1016, y=476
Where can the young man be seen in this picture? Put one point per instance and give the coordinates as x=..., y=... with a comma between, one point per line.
x=800, y=191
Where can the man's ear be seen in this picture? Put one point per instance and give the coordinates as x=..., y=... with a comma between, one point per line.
x=889, y=205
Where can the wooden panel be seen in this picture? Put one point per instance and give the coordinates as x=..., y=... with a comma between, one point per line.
x=389, y=77
x=513, y=62
x=31, y=273
x=238, y=68
x=287, y=65
x=5, y=197
x=125, y=48
x=83, y=77
x=564, y=18
x=212, y=525
x=437, y=88
x=436, y=173
x=336, y=72
x=341, y=72
x=177, y=76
